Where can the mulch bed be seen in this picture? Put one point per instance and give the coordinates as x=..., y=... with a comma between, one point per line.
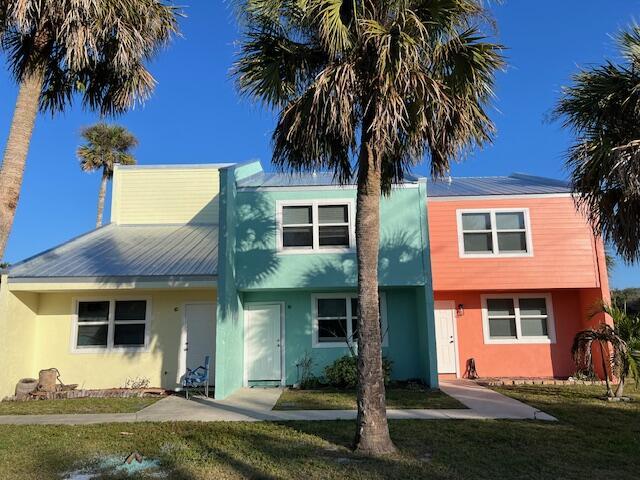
x=501, y=382
x=107, y=393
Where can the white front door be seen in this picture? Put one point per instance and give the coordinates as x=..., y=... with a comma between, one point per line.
x=445, y=316
x=200, y=341
x=262, y=346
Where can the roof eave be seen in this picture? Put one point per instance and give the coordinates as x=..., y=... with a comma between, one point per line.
x=130, y=282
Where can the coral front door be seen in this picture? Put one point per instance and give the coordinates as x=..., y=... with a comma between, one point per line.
x=263, y=344
x=445, y=316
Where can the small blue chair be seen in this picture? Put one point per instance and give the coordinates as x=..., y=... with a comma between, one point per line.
x=197, y=378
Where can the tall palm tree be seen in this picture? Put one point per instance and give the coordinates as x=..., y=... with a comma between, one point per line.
x=602, y=107
x=624, y=341
x=366, y=89
x=107, y=145
x=62, y=49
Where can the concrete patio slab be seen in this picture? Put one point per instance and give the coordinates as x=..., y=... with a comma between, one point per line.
x=256, y=404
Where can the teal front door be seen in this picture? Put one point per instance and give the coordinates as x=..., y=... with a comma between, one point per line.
x=263, y=342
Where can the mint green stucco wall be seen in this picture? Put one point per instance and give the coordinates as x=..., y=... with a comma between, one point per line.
x=260, y=266
x=252, y=270
x=403, y=347
x=229, y=361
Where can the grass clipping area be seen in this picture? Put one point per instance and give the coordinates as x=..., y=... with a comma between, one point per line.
x=592, y=439
x=331, y=399
x=77, y=406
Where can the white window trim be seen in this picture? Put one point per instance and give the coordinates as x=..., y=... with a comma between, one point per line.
x=314, y=204
x=384, y=325
x=494, y=233
x=111, y=325
x=551, y=324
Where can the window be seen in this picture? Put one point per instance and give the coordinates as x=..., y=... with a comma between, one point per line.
x=315, y=226
x=518, y=319
x=503, y=232
x=335, y=320
x=111, y=324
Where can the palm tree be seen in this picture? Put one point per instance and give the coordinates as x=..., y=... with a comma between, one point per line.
x=601, y=107
x=624, y=340
x=107, y=145
x=63, y=49
x=366, y=89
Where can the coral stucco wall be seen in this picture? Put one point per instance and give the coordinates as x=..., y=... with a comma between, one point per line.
x=565, y=252
x=570, y=308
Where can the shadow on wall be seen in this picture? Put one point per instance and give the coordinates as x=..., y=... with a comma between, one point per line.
x=398, y=257
x=208, y=214
x=256, y=256
x=257, y=259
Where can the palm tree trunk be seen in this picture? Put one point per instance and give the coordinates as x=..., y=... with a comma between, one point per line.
x=372, y=434
x=101, y=195
x=15, y=154
x=606, y=371
x=620, y=388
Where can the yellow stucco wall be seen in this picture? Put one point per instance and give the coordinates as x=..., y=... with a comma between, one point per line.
x=51, y=337
x=17, y=346
x=176, y=195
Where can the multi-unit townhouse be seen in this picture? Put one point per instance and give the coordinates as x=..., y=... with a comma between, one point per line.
x=258, y=270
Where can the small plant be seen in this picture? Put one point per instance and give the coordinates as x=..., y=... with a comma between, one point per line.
x=585, y=375
x=137, y=383
x=307, y=380
x=343, y=373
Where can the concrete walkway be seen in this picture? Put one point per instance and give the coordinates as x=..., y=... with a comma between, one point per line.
x=255, y=404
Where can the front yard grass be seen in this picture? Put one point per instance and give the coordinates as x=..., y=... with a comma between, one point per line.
x=592, y=439
x=331, y=399
x=77, y=405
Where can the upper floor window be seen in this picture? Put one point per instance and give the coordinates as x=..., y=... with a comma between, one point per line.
x=494, y=232
x=315, y=225
x=111, y=324
x=525, y=318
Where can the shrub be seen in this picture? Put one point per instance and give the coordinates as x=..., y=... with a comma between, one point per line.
x=343, y=373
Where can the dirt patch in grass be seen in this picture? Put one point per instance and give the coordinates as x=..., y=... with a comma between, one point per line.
x=76, y=406
x=331, y=399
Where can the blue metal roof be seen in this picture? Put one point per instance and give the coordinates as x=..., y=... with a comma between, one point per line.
x=129, y=250
x=515, y=184
x=320, y=179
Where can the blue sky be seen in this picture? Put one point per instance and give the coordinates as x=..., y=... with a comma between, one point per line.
x=196, y=115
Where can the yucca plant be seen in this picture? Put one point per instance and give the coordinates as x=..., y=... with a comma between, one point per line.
x=107, y=145
x=367, y=89
x=602, y=108
x=622, y=342
x=58, y=50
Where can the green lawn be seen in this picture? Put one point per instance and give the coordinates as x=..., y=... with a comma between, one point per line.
x=593, y=439
x=329, y=399
x=76, y=405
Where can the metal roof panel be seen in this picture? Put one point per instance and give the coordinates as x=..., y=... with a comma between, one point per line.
x=129, y=250
x=515, y=184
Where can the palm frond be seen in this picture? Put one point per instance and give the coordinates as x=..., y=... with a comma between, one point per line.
x=602, y=108
x=95, y=49
x=106, y=145
x=413, y=78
